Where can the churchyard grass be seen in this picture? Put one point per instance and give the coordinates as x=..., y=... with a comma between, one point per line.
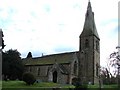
x=16, y=85
x=103, y=87
x=21, y=84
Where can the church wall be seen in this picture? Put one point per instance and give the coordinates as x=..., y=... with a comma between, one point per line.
x=43, y=73
x=89, y=58
x=62, y=78
x=67, y=66
x=93, y=61
x=96, y=65
x=67, y=78
x=86, y=59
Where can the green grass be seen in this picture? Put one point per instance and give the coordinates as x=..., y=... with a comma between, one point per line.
x=103, y=87
x=21, y=84
x=110, y=86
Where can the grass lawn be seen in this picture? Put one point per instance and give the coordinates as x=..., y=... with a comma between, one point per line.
x=103, y=87
x=20, y=85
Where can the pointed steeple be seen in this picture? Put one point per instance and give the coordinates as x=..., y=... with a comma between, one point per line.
x=89, y=24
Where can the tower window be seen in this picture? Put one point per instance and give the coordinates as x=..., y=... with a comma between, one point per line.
x=97, y=45
x=38, y=71
x=75, y=68
x=86, y=43
x=97, y=69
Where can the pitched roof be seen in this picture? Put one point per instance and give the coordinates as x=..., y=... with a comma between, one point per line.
x=51, y=59
x=60, y=67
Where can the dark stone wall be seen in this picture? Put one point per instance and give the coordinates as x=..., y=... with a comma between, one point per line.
x=89, y=58
x=43, y=73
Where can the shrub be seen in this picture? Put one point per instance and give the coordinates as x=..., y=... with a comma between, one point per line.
x=29, y=78
x=77, y=83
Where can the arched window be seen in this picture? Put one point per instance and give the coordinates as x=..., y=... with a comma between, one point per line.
x=38, y=71
x=30, y=68
x=86, y=43
x=75, y=68
x=55, y=76
x=97, y=70
x=97, y=45
x=48, y=70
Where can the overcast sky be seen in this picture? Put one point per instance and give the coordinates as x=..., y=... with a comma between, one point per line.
x=54, y=26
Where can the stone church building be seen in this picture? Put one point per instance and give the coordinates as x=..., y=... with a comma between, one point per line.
x=64, y=67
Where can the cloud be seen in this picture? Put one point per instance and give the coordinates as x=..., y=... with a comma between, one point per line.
x=47, y=8
x=52, y=26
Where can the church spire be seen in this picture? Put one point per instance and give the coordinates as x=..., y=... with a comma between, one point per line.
x=89, y=24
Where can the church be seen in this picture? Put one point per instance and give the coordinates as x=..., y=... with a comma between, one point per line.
x=64, y=67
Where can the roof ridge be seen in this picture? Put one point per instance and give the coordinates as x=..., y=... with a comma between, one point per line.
x=55, y=54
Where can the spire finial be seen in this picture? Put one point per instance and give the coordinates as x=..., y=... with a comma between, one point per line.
x=89, y=4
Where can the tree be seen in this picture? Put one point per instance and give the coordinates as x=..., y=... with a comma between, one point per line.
x=2, y=41
x=12, y=66
x=29, y=55
x=115, y=62
x=29, y=78
x=106, y=76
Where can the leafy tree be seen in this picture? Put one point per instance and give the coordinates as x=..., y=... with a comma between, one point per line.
x=2, y=41
x=12, y=66
x=29, y=55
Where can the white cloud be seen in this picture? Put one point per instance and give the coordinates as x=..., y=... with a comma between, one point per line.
x=46, y=25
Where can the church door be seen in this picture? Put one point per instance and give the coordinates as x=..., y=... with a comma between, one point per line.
x=55, y=76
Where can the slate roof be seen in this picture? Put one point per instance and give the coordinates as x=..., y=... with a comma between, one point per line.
x=62, y=58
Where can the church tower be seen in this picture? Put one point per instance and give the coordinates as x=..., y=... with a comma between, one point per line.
x=89, y=50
